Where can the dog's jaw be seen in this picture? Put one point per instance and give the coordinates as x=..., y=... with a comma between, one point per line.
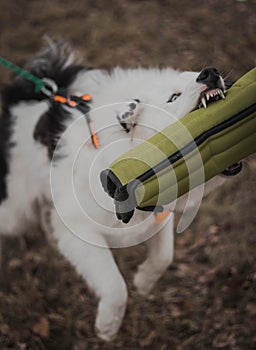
x=210, y=95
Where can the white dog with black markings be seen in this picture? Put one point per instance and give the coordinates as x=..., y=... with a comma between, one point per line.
x=50, y=162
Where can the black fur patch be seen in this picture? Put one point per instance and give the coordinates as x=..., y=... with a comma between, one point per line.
x=50, y=126
x=6, y=122
x=48, y=64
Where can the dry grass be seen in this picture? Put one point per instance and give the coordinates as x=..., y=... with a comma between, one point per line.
x=206, y=300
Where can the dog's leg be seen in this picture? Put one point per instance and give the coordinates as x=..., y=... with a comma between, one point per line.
x=160, y=255
x=0, y=252
x=13, y=218
x=98, y=268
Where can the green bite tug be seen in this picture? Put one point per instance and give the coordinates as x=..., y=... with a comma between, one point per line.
x=206, y=140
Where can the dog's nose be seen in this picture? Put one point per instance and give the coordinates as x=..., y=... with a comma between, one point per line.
x=208, y=75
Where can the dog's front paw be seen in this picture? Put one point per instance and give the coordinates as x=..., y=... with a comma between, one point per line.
x=149, y=273
x=143, y=282
x=106, y=333
x=127, y=118
x=108, y=328
x=110, y=314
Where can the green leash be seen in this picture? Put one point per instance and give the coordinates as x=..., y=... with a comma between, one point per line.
x=46, y=86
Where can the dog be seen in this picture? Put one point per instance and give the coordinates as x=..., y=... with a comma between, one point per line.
x=53, y=145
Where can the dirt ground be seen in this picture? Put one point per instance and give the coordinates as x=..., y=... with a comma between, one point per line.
x=207, y=298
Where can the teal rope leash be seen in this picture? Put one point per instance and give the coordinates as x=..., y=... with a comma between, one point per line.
x=45, y=85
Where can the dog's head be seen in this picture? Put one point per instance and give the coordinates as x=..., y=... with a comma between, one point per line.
x=196, y=90
x=167, y=95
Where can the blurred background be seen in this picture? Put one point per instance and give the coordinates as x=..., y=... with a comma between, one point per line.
x=207, y=298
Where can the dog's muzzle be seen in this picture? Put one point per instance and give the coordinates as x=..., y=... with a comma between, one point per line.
x=215, y=89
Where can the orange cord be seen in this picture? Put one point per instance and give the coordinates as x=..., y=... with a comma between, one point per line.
x=95, y=140
x=73, y=103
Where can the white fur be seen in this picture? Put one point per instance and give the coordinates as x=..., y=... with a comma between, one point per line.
x=84, y=226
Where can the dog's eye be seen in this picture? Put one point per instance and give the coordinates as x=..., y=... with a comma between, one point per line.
x=174, y=97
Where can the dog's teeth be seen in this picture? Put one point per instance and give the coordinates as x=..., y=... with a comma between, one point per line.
x=207, y=97
x=203, y=102
x=222, y=94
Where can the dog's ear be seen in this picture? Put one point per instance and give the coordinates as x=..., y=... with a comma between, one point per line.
x=41, y=131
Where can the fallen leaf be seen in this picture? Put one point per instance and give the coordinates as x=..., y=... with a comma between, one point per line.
x=42, y=328
x=251, y=308
x=147, y=341
x=14, y=263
